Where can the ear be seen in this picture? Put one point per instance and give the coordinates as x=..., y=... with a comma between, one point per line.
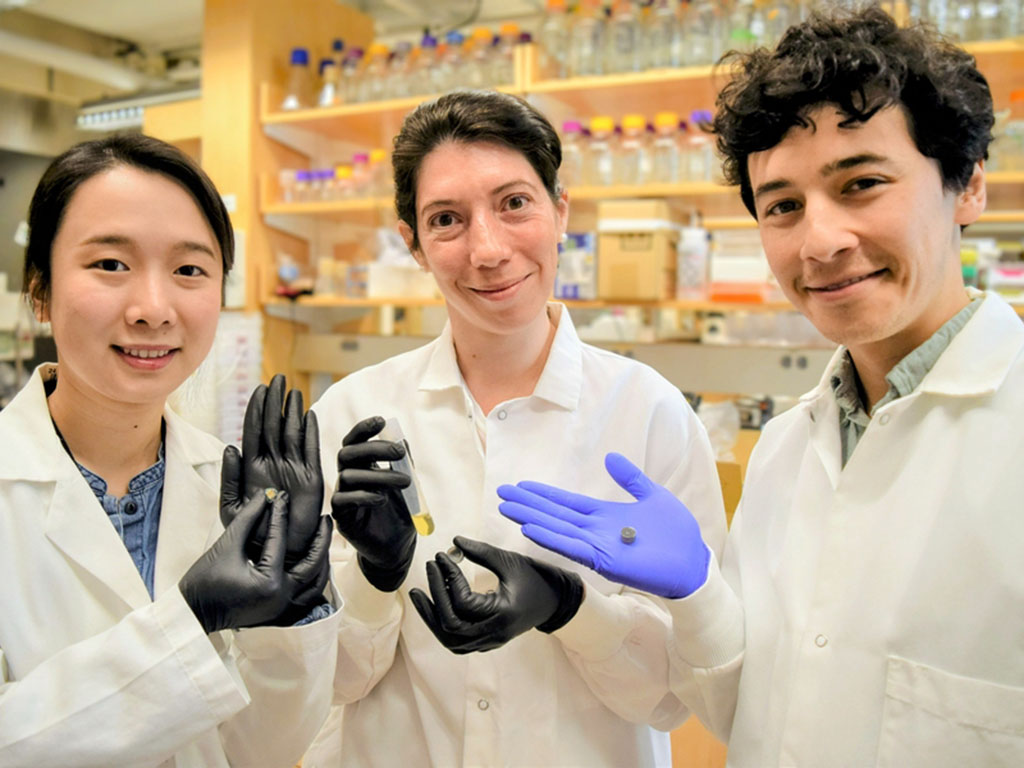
x=40, y=309
x=562, y=208
x=970, y=203
x=407, y=235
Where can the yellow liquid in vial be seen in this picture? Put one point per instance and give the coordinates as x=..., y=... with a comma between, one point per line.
x=423, y=523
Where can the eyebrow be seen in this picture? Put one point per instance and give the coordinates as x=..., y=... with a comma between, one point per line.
x=835, y=166
x=120, y=241
x=496, y=191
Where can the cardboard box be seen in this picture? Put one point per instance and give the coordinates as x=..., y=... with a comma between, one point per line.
x=636, y=250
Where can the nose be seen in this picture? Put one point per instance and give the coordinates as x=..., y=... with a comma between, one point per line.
x=827, y=230
x=488, y=244
x=151, y=302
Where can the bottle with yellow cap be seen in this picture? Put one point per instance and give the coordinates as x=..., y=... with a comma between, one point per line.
x=381, y=184
x=631, y=159
x=599, y=167
x=666, y=152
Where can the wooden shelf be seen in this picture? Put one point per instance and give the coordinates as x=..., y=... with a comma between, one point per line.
x=687, y=305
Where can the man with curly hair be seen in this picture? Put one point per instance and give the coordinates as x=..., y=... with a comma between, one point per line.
x=870, y=605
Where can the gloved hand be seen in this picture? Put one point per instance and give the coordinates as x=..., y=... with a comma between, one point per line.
x=667, y=555
x=226, y=590
x=530, y=594
x=277, y=452
x=368, y=508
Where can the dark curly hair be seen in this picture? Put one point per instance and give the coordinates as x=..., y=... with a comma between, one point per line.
x=470, y=116
x=860, y=62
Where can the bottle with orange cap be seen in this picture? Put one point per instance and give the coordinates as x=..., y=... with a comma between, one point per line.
x=503, y=64
x=374, y=78
x=554, y=39
x=587, y=40
x=478, y=67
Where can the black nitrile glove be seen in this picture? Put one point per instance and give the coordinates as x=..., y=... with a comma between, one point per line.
x=226, y=590
x=368, y=508
x=280, y=452
x=530, y=594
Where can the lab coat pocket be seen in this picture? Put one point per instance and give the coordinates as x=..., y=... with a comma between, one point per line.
x=934, y=718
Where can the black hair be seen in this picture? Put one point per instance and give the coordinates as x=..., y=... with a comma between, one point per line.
x=472, y=116
x=859, y=62
x=68, y=171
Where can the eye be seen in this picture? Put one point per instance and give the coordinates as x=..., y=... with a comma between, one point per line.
x=517, y=202
x=191, y=270
x=109, y=265
x=444, y=219
x=859, y=185
x=782, y=207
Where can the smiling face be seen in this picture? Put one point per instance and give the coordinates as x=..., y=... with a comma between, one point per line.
x=136, y=285
x=489, y=232
x=860, y=232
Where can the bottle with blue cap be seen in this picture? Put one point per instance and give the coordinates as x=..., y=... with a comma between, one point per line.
x=298, y=94
x=452, y=63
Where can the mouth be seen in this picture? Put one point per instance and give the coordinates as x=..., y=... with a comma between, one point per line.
x=501, y=290
x=842, y=284
x=147, y=358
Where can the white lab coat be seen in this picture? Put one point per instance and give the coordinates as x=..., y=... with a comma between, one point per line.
x=580, y=696
x=93, y=672
x=884, y=601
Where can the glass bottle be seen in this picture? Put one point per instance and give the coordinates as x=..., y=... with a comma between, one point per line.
x=503, y=62
x=330, y=94
x=299, y=90
x=350, y=72
x=586, y=40
x=700, y=155
x=703, y=31
x=374, y=77
x=451, y=61
x=625, y=49
x=554, y=40
x=573, y=152
x=664, y=36
x=478, y=61
x=665, y=150
x=631, y=160
x=599, y=167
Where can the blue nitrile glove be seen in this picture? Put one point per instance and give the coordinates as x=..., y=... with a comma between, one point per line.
x=667, y=555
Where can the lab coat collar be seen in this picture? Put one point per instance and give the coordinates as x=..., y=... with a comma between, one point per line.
x=39, y=452
x=560, y=382
x=191, y=505
x=76, y=523
x=976, y=362
x=979, y=358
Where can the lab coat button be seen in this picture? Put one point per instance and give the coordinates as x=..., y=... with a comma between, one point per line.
x=884, y=419
x=821, y=641
x=483, y=704
x=502, y=415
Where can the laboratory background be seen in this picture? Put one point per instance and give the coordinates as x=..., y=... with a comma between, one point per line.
x=291, y=107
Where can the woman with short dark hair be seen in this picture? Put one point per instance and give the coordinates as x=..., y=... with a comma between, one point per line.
x=117, y=578
x=507, y=390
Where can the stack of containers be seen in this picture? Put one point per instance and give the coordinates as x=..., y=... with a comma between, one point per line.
x=636, y=250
